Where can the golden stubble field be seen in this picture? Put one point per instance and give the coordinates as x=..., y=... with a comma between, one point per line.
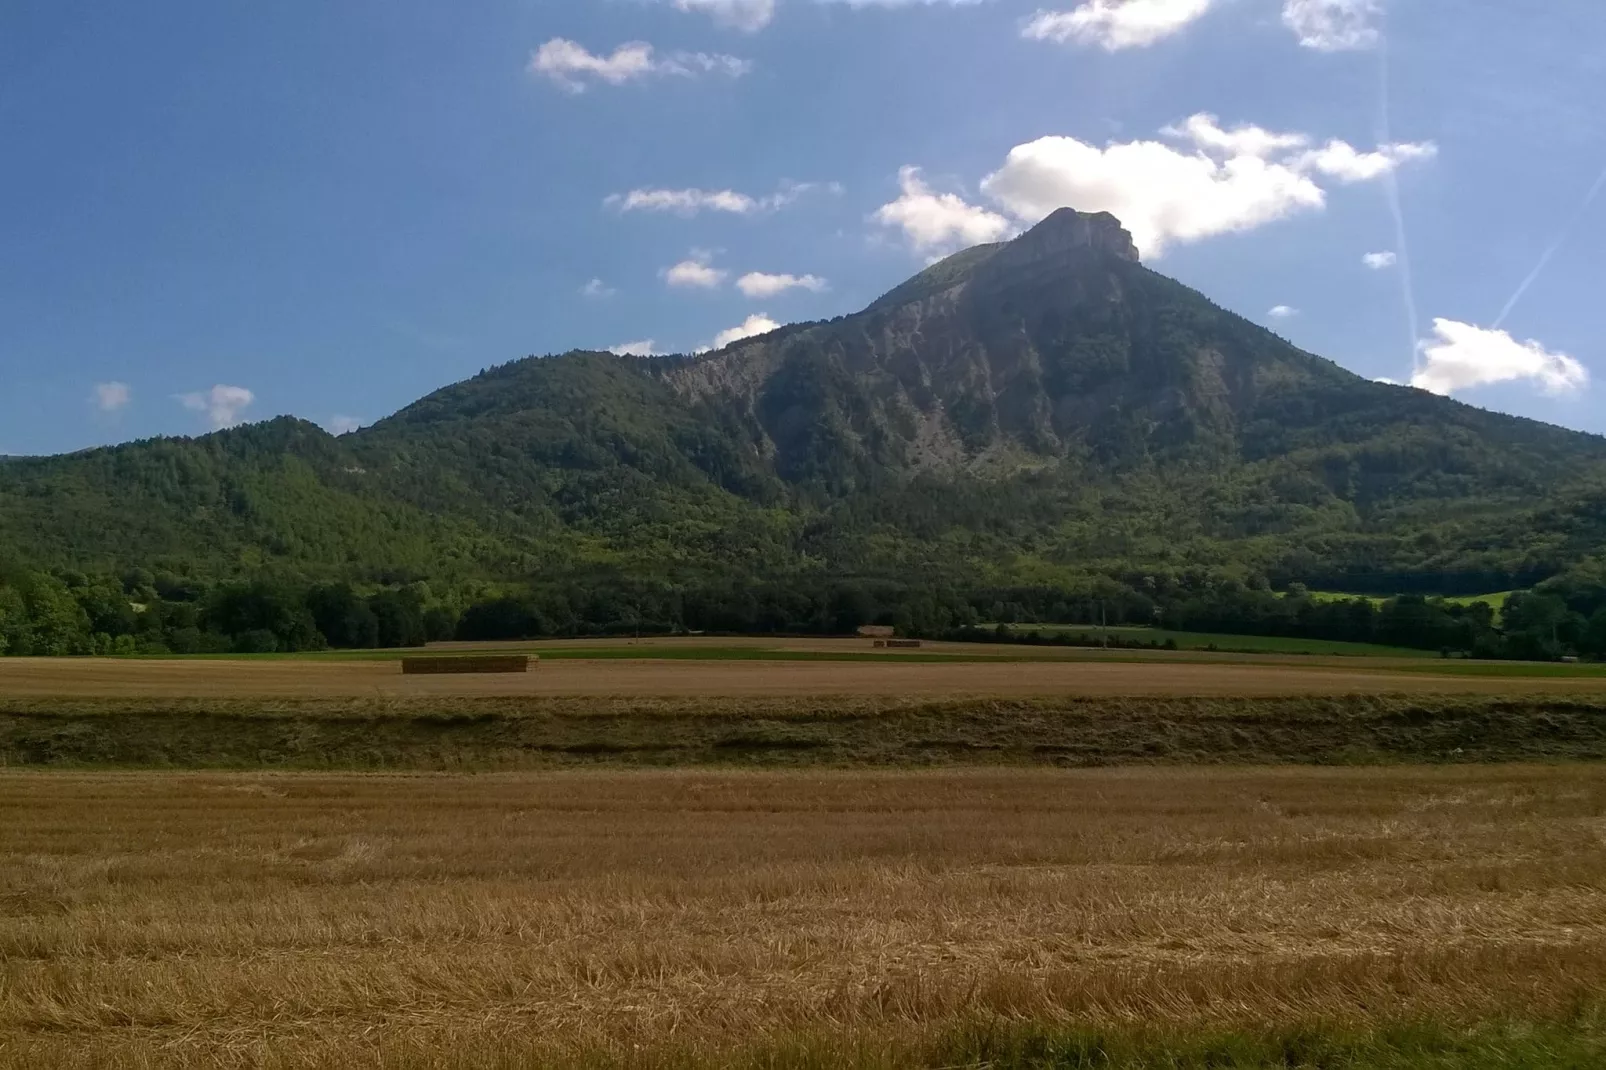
x=512, y=920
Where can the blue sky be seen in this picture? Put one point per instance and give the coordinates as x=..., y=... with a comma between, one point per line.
x=214, y=212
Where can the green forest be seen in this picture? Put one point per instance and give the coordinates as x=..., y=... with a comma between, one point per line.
x=140, y=613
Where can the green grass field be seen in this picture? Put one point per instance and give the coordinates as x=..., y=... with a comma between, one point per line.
x=1196, y=642
x=1497, y=601
x=1231, y=644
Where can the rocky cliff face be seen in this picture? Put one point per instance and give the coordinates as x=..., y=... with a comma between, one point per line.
x=1057, y=347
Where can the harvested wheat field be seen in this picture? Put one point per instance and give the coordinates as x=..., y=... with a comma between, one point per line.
x=613, y=677
x=791, y=919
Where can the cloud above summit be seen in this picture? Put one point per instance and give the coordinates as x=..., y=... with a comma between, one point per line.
x=223, y=405
x=1198, y=181
x=936, y=223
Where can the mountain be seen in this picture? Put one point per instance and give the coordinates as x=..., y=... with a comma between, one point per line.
x=1024, y=412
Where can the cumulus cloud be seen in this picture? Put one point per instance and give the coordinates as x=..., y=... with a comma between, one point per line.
x=596, y=288
x=1116, y=24
x=939, y=222
x=1460, y=356
x=1246, y=139
x=223, y=405
x=1334, y=25
x=1343, y=162
x=758, y=323
x=695, y=272
x=112, y=397
x=1162, y=195
x=572, y=66
x=757, y=284
x=1283, y=312
x=1217, y=181
x=689, y=202
x=1380, y=261
x=342, y=425
x=647, y=347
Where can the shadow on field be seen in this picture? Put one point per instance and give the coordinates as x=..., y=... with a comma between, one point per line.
x=500, y=733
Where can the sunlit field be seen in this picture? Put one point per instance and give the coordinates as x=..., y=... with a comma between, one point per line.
x=802, y=853
x=823, y=918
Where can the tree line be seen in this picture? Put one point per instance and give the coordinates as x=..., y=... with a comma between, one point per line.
x=50, y=613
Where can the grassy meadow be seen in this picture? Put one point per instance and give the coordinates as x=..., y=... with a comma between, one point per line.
x=1231, y=644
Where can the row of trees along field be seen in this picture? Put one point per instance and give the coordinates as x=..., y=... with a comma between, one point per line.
x=66, y=613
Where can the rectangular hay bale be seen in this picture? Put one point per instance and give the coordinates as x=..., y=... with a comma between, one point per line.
x=466, y=663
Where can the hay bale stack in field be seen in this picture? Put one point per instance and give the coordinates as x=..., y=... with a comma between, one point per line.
x=898, y=644
x=467, y=663
x=877, y=631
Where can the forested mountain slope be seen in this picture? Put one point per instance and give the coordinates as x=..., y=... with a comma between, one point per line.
x=1021, y=412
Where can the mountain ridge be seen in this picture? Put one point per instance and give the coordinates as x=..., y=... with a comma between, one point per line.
x=1035, y=408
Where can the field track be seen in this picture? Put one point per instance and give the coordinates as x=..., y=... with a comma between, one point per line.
x=652, y=918
x=893, y=677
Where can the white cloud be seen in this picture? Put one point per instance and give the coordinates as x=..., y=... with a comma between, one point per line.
x=223, y=405
x=746, y=15
x=342, y=425
x=686, y=202
x=647, y=347
x=758, y=323
x=938, y=222
x=111, y=397
x=689, y=202
x=1226, y=181
x=695, y=272
x=1116, y=24
x=596, y=288
x=1334, y=25
x=1343, y=162
x=1205, y=131
x=1160, y=194
x=1380, y=261
x=757, y=284
x=1461, y=356
x=1283, y=312
x=570, y=65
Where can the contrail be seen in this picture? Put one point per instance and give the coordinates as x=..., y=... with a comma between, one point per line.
x=1554, y=248
x=1391, y=191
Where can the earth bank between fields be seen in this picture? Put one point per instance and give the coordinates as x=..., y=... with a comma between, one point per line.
x=504, y=733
